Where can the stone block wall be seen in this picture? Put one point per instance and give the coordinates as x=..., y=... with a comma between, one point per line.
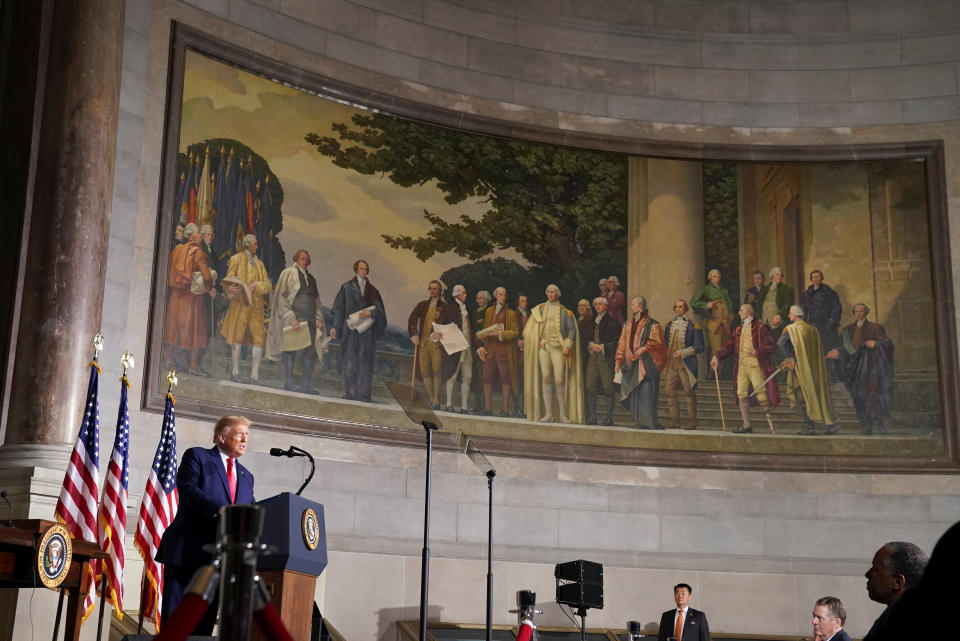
x=739, y=72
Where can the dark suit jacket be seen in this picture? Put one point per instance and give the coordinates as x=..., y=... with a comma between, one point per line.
x=609, y=338
x=841, y=635
x=695, y=627
x=202, y=487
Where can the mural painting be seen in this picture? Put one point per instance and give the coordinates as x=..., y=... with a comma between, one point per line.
x=315, y=250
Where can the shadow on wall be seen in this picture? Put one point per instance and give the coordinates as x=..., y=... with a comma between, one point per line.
x=387, y=619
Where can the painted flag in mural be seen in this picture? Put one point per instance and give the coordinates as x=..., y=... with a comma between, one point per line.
x=264, y=231
x=194, y=185
x=219, y=202
x=224, y=201
x=180, y=211
x=159, y=506
x=204, y=193
x=77, y=505
x=247, y=196
x=113, y=507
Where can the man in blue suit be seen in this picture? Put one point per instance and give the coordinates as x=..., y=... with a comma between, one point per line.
x=684, y=340
x=207, y=479
x=829, y=616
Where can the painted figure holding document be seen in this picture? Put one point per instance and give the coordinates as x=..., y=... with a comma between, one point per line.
x=358, y=317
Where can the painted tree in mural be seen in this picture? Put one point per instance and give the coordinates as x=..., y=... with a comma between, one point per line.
x=721, y=231
x=224, y=183
x=562, y=209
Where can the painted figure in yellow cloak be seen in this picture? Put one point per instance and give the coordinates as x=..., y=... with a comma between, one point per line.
x=800, y=344
x=243, y=323
x=552, y=362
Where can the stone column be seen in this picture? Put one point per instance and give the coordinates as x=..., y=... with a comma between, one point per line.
x=67, y=227
x=665, y=226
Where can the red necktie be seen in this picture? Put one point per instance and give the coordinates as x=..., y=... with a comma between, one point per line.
x=232, y=481
x=678, y=626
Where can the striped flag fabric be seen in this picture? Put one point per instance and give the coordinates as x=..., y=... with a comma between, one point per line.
x=77, y=505
x=113, y=507
x=159, y=506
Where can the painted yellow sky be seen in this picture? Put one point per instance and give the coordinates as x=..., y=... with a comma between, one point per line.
x=336, y=214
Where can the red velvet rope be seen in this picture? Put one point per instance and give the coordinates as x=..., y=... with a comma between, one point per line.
x=184, y=619
x=270, y=625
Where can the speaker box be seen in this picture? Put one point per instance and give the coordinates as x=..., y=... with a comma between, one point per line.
x=580, y=571
x=581, y=595
x=584, y=584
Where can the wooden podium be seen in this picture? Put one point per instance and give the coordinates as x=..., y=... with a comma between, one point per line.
x=19, y=569
x=295, y=527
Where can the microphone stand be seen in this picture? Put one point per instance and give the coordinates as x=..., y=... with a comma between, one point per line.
x=313, y=467
x=296, y=451
x=429, y=428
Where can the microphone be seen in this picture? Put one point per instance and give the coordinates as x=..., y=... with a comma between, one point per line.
x=9, y=522
x=290, y=453
x=296, y=451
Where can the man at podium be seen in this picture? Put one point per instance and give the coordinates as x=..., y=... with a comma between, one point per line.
x=206, y=480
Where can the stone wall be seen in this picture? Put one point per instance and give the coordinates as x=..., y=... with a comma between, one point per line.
x=802, y=73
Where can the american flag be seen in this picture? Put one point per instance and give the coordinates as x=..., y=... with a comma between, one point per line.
x=77, y=505
x=113, y=507
x=159, y=506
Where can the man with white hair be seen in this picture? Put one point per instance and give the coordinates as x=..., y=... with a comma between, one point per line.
x=616, y=300
x=428, y=365
x=459, y=365
x=601, y=340
x=750, y=342
x=552, y=363
x=185, y=327
x=806, y=368
x=483, y=299
x=866, y=368
x=641, y=355
x=774, y=302
x=243, y=323
x=296, y=302
x=499, y=352
x=712, y=302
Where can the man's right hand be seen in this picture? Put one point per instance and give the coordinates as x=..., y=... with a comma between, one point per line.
x=415, y=340
x=295, y=324
x=714, y=363
x=482, y=353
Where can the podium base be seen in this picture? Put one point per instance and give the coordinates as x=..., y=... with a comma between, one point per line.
x=292, y=594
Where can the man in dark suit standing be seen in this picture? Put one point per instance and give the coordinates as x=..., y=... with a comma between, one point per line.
x=359, y=319
x=828, y=619
x=207, y=479
x=684, y=623
x=601, y=346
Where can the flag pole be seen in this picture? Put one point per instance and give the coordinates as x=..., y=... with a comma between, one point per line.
x=143, y=596
x=103, y=603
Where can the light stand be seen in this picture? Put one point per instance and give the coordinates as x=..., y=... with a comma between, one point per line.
x=490, y=474
x=418, y=410
x=429, y=428
x=483, y=464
